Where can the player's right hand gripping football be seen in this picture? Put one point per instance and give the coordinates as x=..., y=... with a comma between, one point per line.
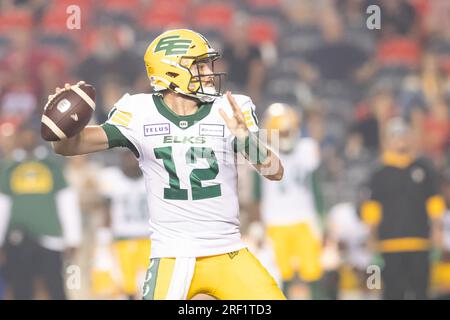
x=65, y=119
x=67, y=111
x=58, y=90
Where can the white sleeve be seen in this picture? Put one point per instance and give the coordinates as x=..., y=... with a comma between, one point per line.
x=69, y=216
x=124, y=119
x=309, y=153
x=5, y=213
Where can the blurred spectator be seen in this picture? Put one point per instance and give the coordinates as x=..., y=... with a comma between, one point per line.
x=381, y=108
x=335, y=58
x=399, y=17
x=110, y=58
x=357, y=162
x=436, y=132
x=404, y=210
x=243, y=62
x=39, y=219
x=437, y=23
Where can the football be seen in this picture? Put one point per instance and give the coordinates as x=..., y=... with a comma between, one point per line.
x=68, y=113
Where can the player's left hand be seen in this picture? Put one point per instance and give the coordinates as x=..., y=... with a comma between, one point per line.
x=235, y=123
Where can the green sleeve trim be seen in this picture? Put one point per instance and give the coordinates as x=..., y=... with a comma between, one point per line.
x=4, y=180
x=117, y=139
x=318, y=195
x=257, y=187
x=60, y=182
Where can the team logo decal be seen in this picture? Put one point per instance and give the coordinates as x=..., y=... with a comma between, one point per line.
x=156, y=129
x=418, y=175
x=183, y=124
x=63, y=105
x=173, y=45
x=233, y=254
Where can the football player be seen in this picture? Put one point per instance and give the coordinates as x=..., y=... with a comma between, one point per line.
x=186, y=137
x=289, y=208
x=124, y=191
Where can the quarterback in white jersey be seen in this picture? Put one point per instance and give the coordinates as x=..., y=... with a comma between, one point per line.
x=289, y=208
x=190, y=172
x=186, y=137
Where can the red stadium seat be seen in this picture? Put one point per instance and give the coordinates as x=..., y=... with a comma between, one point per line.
x=399, y=51
x=262, y=31
x=55, y=18
x=15, y=19
x=445, y=64
x=178, y=4
x=122, y=5
x=216, y=16
x=62, y=5
x=162, y=17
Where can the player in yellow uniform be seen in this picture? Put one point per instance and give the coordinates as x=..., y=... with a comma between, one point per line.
x=124, y=190
x=290, y=208
x=187, y=136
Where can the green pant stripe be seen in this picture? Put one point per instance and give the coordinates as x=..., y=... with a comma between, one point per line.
x=150, y=280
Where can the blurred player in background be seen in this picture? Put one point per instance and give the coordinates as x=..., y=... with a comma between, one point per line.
x=440, y=280
x=346, y=255
x=39, y=219
x=128, y=219
x=290, y=208
x=186, y=137
x=404, y=210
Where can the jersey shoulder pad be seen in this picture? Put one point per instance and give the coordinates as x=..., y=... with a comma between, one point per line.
x=307, y=144
x=129, y=108
x=247, y=107
x=308, y=152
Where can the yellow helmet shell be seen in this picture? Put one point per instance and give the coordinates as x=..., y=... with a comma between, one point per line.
x=280, y=116
x=282, y=119
x=170, y=56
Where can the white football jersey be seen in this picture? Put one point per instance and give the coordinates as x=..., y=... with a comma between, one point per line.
x=128, y=203
x=189, y=167
x=291, y=200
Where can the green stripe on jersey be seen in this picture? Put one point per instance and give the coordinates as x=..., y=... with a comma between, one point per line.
x=117, y=139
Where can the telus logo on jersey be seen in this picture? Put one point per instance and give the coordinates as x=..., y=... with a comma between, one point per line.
x=156, y=129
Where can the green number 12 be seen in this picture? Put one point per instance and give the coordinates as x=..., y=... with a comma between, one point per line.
x=196, y=177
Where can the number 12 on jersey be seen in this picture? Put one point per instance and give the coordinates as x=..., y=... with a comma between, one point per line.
x=196, y=177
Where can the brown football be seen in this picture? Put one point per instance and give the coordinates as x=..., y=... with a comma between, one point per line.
x=68, y=113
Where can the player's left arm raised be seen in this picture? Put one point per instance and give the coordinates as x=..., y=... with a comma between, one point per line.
x=255, y=151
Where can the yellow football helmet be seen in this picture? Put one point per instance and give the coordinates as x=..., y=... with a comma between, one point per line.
x=286, y=121
x=169, y=59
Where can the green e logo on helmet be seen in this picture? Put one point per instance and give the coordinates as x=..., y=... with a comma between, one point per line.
x=172, y=45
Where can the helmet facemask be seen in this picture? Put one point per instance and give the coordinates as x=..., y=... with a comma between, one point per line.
x=198, y=84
